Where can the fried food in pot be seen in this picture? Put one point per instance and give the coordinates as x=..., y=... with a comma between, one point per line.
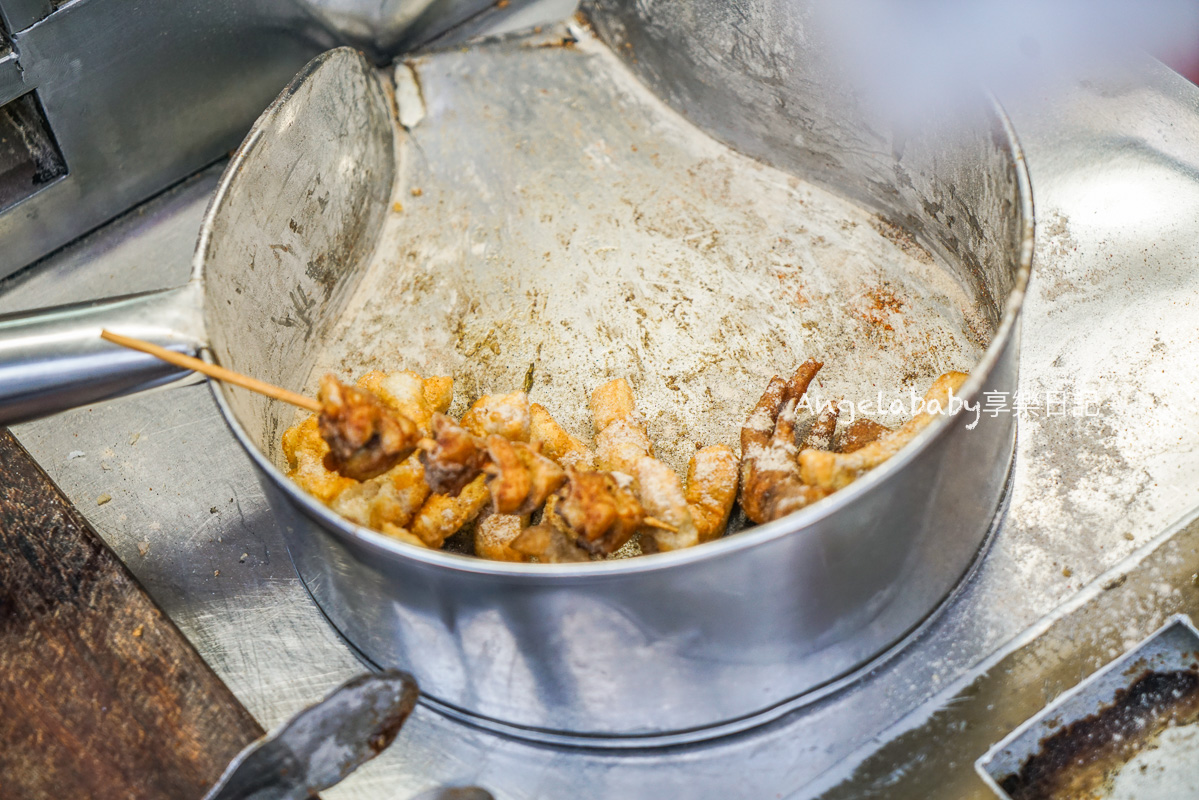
x=365, y=437
x=521, y=478
x=601, y=513
x=504, y=415
x=509, y=463
x=770, y=483
x=858, y=434
x=832, y=471
x=453, y=457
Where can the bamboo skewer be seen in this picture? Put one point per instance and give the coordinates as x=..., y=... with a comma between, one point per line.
x=654, y=522
x=213, y=371
x=262, y=387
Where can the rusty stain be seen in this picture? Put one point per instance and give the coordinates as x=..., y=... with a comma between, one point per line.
x=881, y=303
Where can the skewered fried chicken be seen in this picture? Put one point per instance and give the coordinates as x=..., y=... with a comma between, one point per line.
x=357, y=455
x=696, y=515
x=832, y=471
x=453, y=457
x=522, y=478
x=601, y=513
x=365, y=437
x=779, y=477
x=389, y=500
x=770, y=484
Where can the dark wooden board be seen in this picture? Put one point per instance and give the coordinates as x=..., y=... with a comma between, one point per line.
x=101, y=696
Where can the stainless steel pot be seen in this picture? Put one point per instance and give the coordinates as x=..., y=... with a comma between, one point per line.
x=306, y=230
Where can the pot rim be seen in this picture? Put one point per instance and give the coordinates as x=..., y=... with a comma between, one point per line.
x=379, y=544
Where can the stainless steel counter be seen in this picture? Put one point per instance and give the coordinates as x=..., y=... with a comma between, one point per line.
x=1111, y=325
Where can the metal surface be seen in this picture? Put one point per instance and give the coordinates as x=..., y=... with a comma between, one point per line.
x=1170, y=651
x=385, y=28
x=57, y=361
x=323, y=744
x=1111, y=314
x=54, y=359
x=614, y=653
x=141, y=95
x=549, y=652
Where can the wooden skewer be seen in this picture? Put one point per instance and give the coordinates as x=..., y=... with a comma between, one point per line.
x=213, y=371
x=652, y=522
x=264, y=388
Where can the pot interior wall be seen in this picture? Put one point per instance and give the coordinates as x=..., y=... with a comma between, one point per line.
x=553, y=223
x=287, y=236
x=556, y=225
x=759, y=76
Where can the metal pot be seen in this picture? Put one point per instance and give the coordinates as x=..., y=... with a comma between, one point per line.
x=662, y=648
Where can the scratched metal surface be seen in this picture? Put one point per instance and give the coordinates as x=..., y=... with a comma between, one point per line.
x=1111, y=315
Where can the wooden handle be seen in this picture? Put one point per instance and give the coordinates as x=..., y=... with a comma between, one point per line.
x=213, y=371
x=101, y=696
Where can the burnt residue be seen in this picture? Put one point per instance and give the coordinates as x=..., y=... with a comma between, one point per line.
x=1079, y=760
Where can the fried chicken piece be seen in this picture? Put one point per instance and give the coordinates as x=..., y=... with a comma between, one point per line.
x=820, y=436
x=832, y=471
x=453, y=458
x=438, y=394
x=365, y=437
x=504, y=415
x=441, y=516
x=661, y=494
x=555, y=442
x=510, y=482
x=600, y=512
x=392, y=498
x=403, y=534
x=305, y=452
x=858, y=434
x=770, y=482
x=711, y=490
x=521, y=478
x=611, y=402
x=494, y=534
x=620, y=439
x=408, y=393
x=549, y=545
x=622, y=445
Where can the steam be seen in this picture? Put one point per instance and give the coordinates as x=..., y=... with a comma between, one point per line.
x=914, y=54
